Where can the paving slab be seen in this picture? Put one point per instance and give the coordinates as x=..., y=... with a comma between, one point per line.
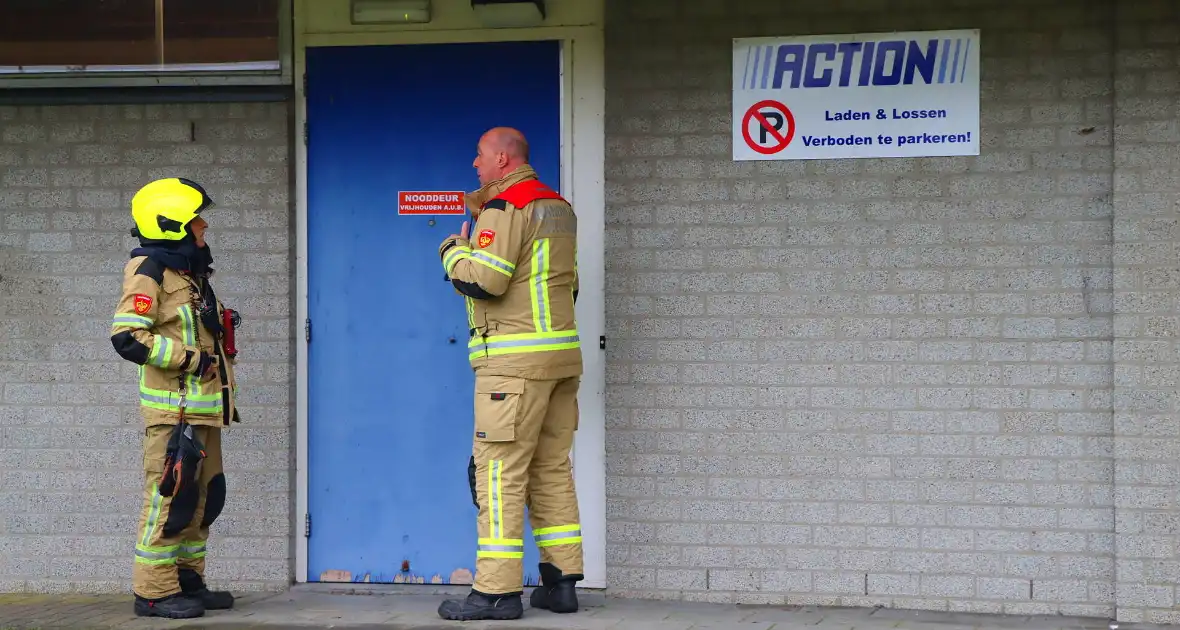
x=375, y=607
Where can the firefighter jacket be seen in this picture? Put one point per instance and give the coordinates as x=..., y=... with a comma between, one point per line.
x=518, y=275
x=157, y=326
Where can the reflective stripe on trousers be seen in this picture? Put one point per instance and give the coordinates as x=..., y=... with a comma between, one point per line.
x=192, y=549
x=560, y=535
x=156, y=555
x=145, y=553
x=495, y=546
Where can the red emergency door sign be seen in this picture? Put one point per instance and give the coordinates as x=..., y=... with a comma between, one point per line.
x=768, y=127
x=431, y=202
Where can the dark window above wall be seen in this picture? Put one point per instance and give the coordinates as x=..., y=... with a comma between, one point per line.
x=139, y=36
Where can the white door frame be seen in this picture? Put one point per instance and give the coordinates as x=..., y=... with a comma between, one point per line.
x=582, y=182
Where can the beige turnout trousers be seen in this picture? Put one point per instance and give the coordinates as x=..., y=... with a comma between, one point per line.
x=524, y=430
x=173, y=530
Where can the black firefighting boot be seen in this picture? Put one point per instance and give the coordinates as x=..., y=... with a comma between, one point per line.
x=479, y=606
x=556, y=592
x=193, y=586
x=178, y=606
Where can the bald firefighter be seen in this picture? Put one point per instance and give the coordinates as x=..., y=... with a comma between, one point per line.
x=170, y=324
x=518, y=276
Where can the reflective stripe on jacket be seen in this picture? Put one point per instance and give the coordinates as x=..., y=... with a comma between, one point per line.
x=519, y=278
x=157, y=327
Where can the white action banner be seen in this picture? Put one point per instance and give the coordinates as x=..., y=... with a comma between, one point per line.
x=856, y=96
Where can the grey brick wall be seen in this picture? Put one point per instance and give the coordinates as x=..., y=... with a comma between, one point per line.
x=898, y=382
x=70, y=467
x=1147, y=321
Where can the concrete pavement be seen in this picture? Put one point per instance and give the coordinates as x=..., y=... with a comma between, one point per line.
x=395, y=608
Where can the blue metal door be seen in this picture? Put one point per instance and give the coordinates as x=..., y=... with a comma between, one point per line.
x=390, y=399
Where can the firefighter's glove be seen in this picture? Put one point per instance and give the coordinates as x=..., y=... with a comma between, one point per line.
x=471, y=481
x=182, y=461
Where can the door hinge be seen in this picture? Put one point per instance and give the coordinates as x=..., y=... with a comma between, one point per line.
x=307, y=330
x=307, y=525
x=305, y=85
x=602, y=342
x=305, y=133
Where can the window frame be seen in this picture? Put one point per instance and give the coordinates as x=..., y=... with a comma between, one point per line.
x=184, y=76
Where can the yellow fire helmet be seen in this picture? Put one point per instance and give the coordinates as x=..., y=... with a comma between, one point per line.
x=164, y=207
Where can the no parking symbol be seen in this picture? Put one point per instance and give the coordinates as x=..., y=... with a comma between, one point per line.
x=768, y=127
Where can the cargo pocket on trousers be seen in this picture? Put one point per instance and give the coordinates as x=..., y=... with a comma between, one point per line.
x=497, y=408
x=155, y=449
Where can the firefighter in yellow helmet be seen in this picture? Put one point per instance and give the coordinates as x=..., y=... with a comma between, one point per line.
x=171, y=324
x=519, y=279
